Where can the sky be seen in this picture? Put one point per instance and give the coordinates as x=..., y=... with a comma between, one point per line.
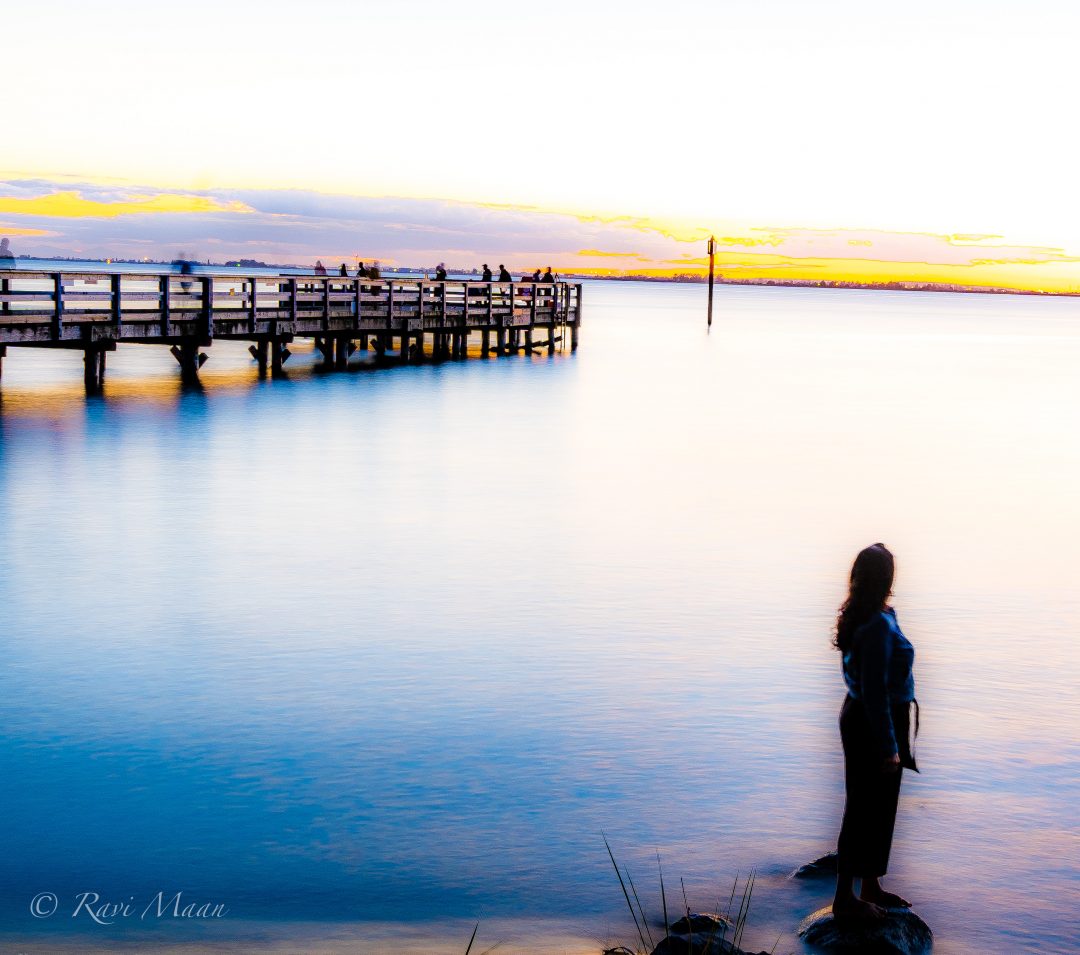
x=829, y=140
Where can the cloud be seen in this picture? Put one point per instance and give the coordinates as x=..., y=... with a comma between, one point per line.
x=17, y=230
x=72, y=204
x=293, y=226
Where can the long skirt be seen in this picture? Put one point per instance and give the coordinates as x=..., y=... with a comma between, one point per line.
x=872, y=795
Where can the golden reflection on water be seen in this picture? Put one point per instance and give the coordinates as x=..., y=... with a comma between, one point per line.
x=48, y=394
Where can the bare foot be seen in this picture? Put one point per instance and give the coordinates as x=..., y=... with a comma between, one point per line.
x=857, y=910
x=887, y=900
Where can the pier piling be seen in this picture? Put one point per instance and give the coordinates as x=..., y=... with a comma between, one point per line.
x=260, y=351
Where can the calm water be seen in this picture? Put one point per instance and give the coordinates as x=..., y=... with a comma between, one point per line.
x=373, y=655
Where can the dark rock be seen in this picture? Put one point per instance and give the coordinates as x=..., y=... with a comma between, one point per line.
x=822, y=868
x=710, y=942
x=620, y=950
x=701, y=922
x=703, y=944
x=901, y=932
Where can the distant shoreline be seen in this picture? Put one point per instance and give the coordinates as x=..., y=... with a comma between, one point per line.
x=829, y=284
x=679, y=279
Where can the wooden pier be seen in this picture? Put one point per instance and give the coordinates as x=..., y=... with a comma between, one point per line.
x=417, y=318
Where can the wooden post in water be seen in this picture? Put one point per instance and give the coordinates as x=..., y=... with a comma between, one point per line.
x=92, y=370
x=260, y=351
x=712, y=256
x=189, y=358
x=279, y=354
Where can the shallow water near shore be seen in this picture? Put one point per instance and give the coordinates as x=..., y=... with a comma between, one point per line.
x=368, y=656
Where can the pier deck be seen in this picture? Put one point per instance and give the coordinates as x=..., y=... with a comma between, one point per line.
x=95, y=311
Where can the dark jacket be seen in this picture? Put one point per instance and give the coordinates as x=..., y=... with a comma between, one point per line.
x=878, y=673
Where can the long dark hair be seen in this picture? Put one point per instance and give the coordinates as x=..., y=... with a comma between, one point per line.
x=871, y=583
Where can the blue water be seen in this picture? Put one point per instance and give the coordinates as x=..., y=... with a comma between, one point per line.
x=392, y=648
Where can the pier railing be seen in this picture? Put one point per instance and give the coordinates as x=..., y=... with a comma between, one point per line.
x=96, y=310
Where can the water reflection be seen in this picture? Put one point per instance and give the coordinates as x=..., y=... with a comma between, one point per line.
x=398, y=646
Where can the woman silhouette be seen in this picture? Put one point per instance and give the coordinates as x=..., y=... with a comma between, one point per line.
x=874, y=723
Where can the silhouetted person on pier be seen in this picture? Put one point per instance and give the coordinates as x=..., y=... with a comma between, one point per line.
x=320, y=269
x=877, y=664
x=485, y=276
x=440, y=273
x=547, y=276
x=7, y=258
x=362, y=272
x=185, y=267
x=536, y=276
x=343, y=271
x=504, y=276
x=373, y=272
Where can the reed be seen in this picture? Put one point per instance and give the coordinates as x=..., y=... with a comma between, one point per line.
x=476, y=928
x=663, y=894
x=626, y=895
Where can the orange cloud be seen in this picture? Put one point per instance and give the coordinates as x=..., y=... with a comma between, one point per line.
x=15, y=230
x=608, y=255
x=73, y=205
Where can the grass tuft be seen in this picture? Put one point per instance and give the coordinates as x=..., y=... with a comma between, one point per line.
x=737, y=925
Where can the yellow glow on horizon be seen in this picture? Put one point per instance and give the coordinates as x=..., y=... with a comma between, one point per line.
x=1049, y=277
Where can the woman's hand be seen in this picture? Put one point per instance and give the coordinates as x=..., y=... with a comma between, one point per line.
x=890, y=764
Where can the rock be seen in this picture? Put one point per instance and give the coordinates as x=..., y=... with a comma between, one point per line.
x=620, y=950
x=700, y=935
x=824, y=867
x=901, y=932
x=704, y=943
x=701, y=922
